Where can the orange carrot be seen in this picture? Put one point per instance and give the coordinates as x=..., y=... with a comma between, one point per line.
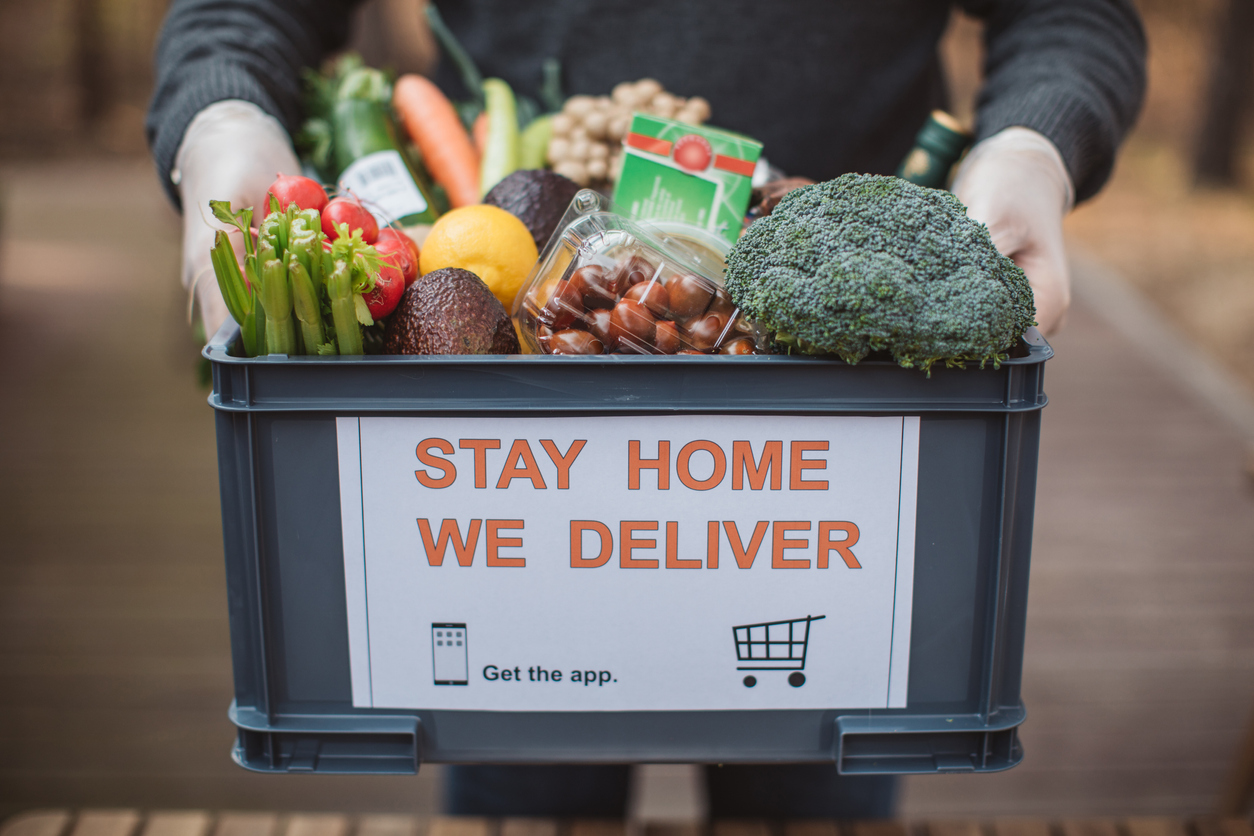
x=480, y=132
x=433, y=125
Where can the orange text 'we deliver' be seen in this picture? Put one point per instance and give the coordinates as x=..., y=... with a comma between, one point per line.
x=699, y=465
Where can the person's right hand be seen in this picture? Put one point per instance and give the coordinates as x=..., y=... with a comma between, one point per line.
x=233, y=150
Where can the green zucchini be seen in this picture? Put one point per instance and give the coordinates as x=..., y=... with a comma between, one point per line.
x=369, y=163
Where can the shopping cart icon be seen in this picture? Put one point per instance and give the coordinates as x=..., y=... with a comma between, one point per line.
x=774, y=646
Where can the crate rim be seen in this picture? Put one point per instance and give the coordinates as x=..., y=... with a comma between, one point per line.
x=217, y=350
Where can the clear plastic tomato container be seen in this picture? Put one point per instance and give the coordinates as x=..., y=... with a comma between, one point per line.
x=608, y=285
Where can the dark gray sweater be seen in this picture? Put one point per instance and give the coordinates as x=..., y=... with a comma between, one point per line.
x=829, y=86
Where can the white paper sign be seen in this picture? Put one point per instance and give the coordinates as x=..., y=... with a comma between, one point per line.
x=629, y=563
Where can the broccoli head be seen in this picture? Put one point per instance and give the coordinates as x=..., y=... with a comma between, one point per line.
x=867, y=263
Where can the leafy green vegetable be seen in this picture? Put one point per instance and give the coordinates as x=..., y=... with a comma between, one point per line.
x=347, y=78
x=867, y=263
x=294, y=279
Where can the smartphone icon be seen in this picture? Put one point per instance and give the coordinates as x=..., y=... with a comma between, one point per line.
x=448, y=651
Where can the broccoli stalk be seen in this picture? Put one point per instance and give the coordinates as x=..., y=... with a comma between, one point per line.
x=867, y=263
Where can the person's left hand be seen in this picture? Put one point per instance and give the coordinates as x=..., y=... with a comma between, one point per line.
x=1015, y=183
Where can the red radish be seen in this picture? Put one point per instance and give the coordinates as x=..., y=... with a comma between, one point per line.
x=389, y=286
x=399, y=250
x=292, y=188
x=348, y=210
x=393, y=232
x=395, y=253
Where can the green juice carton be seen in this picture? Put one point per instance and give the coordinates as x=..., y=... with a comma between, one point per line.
x=673, y=171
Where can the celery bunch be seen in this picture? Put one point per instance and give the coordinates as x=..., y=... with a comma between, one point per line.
x=240, y=293
x=294, y=295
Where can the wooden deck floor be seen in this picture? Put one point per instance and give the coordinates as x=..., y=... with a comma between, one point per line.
x=114, y=665
x=202, y=823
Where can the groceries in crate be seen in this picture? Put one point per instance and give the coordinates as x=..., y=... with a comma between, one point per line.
x=854, y=267
x=607, y=285
x=312, y=275
x=867, y=263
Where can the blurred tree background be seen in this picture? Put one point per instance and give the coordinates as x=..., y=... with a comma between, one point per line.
x=76, y=75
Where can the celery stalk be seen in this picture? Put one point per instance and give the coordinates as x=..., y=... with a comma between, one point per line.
x=253, y=331
x=276, y=300
x=238, y=293
x=304, y=249
x=350, y=273
x=242, y=221
x=235, y=290
x=344, y=307
x=272, y=233
x=305, y=304
x=305, y=240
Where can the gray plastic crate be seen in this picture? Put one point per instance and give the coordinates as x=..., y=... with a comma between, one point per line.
x=278, y=468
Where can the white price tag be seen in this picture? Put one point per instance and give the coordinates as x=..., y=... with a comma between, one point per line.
x=383, y=184
x=629, y=563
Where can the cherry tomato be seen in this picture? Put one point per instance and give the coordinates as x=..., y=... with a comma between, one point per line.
x=348, y=210
x=399, y=249
x=292, y=188
x=389, y=286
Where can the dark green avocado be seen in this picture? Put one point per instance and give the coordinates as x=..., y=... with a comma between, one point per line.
x=449, y=311
x=536, y=197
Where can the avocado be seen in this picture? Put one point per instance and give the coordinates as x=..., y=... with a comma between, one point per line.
x=536, y=197
x=449, y=311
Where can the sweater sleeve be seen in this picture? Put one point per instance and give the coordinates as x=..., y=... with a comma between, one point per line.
x=254, y=50
x=1072, y=70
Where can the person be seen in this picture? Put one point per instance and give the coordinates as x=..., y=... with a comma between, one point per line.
x=828, y=88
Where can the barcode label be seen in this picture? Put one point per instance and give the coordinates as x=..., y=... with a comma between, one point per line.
x=383, y=184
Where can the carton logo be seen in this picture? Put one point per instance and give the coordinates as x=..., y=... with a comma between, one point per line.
x=693, y=153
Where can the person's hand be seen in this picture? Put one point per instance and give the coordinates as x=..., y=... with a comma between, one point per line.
x=1015, y=183
x=233, y=150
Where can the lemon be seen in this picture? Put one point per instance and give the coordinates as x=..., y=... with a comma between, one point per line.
x=487, y=241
